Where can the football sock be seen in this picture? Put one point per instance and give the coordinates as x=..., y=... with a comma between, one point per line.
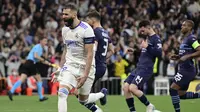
x=144, y=100
x=190, y=95
x=130, y=103
x=93, y=97
x=62, y=99
x=39, y=87
x=16, y=85
x=175, y=99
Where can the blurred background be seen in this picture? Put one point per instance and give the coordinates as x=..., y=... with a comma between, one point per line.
x=23, y=22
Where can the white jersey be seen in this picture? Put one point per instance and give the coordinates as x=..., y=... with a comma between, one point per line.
x=75, y=40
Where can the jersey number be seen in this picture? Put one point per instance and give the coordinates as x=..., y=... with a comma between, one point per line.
x=105, y=47
x=178, y=77
x=138, y=79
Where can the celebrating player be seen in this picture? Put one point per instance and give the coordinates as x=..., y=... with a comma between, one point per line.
x=151, y=48
x=104, y=47
x=189, y=49
x=77, y=62
x=29, y=68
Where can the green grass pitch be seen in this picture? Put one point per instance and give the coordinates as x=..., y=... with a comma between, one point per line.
x=115, y=104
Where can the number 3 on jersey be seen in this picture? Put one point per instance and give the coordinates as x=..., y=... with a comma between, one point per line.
x=105, y=47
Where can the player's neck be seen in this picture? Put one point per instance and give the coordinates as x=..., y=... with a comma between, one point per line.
x=187, y=34
x=96, y=25
x=76, y=23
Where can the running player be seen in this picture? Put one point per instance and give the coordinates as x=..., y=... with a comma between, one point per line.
x=189, y=49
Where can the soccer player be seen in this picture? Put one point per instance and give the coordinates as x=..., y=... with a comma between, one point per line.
x=77, y=62
x=151, y=48
x=29, y=68
x=188, y=50
x=105, y=48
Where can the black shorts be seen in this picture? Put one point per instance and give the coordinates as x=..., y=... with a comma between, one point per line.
x=28, y=68
x=183, y=78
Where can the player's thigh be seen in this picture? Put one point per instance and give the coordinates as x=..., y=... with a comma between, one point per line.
x=86, y=88
x=183, y=79
x=66, y=78
x=127, y=82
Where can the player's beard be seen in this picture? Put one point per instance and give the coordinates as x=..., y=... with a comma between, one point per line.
x=69, y=22
x=142, y=35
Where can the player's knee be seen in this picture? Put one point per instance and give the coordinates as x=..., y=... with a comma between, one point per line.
x=133, y=88
x=173, y=92
x=63, y=92
x=126, y=88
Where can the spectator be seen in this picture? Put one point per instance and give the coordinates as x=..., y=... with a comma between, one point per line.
x=12, y=78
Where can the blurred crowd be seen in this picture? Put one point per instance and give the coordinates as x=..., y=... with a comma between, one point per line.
x=23, y=22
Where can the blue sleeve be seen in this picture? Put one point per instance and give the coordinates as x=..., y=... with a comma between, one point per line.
x=156, y=48
x=36, y=48
x=97, y=35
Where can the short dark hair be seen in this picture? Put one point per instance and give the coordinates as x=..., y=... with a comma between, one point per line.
x=71, y=6
x=190, y=23
x=144, y=23
x=94, y=14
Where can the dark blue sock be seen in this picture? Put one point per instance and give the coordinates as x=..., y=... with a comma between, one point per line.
x=130, y=103
x=144, y=100
x=175, y=99
x=190, y=95
x=91, y=106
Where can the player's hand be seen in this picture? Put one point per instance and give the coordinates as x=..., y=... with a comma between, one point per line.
x=81, y=80
x=55, y=75
x=55, y=66
x=144, y=44
x=184, y=58
x=74, y=91
x=174, y=57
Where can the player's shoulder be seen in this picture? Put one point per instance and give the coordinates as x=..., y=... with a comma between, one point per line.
x=37, y=46
x=192, y=38
x=85, y=25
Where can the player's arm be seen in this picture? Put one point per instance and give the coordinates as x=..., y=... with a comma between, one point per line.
x=89, y=58
x=111, y=50
x=156, y=49
x=196, y=46
x=35, y=48
x=41, y=59
x=62, y=61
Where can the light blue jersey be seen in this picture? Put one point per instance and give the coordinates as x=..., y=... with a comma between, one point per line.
x=36, y=49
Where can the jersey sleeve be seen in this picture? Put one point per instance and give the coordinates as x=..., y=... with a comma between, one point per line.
x=36, y=48
x=89, y=36
x=97, y=35
x=194, y=42
x=156, y=49
x=62, y=34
